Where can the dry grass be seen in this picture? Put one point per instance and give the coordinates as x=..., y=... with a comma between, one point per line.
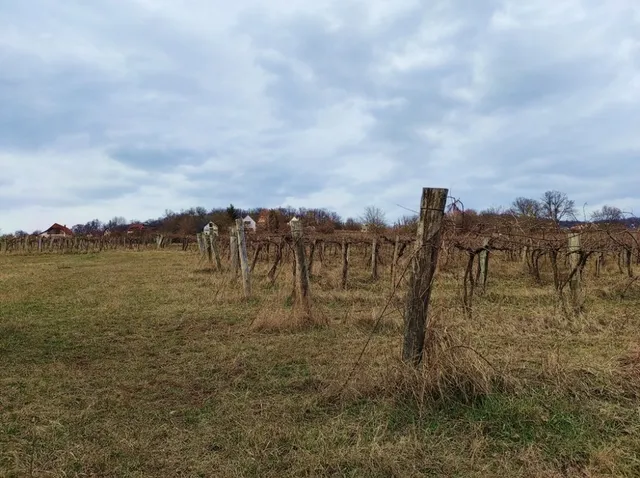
x=135, y=364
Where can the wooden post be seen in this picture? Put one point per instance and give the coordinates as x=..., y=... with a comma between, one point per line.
x=394, y=261
x=321, y=254
x=575, y=282
x=202, y=245
x=422, y=273
x=628, y=262
x=213, y=245
x=244, y=260
x=302, y=274
x=345, y=263
x=483, y=265
x=233, y=251
x=374, y=258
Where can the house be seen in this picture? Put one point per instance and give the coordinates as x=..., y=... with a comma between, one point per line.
x=135, y=229
x=57, y=230
x=249, y=223
x=209, y=228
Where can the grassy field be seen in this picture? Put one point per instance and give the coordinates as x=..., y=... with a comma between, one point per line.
x=132, y=364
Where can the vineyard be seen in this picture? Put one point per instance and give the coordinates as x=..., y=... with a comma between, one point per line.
x=547, y=253
x=236, y=353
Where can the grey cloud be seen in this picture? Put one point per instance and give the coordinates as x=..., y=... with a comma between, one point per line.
x=155, y=158
x=286, y=100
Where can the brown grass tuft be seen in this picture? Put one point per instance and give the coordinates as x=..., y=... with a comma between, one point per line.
x=274, y=317
x=450, y=370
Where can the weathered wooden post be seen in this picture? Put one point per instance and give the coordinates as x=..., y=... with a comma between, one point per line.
x=422, y=273
x=321, y=254
x=244, y=259
x=483, y=265
x=345, y=263
x=394, y=261
x=374, y=258
x=302, y=298
x=213, y=244
x=575, y=281
x=234, y=254
x=628, y=260
x=202, y=246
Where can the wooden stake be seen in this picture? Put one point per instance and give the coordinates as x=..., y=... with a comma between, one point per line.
x=345, y=263
x=302, y=297
x=374, y=259
x=423, y=266
x=483, y=266
x=244, y=260
x=233, y=251
x=394, y=261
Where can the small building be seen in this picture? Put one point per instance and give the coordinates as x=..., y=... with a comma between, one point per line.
x=57, y=230
x=249, y=223
x=209, y=228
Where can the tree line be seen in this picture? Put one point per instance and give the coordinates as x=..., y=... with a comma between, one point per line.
x=552, y=205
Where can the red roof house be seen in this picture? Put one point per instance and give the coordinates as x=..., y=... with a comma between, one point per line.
x=57, y=230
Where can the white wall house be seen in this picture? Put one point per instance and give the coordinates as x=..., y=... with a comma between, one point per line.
x=209, y=228
x=249, y=223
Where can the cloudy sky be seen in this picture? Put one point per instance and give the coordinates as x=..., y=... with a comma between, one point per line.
x=131, y=107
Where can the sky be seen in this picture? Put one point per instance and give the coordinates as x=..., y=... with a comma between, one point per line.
x=132, y=107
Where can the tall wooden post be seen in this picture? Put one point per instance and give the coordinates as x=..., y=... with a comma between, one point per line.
x=422, y=273
x=244, y=259
x=628, y=262
x=575, y=283
x=345, y=263
x=394, y=261
x=234, y=255
x=302, y=274
x=212, y=245
x=374, y=258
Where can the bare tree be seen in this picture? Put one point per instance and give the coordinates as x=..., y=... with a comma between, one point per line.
x=351, y=225
x=607, y=214
x=374, y=218
x=526, y=207
x=408, y=224
x=492, y=211
x=557, y=206
x=116, y=222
